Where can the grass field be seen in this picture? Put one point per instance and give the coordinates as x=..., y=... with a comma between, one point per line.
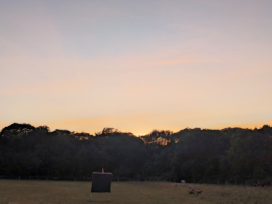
x=61, y=192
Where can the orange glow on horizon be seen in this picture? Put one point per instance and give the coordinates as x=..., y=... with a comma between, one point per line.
x=135, y=69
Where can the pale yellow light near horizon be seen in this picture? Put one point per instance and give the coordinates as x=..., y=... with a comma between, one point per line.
x=136, y=66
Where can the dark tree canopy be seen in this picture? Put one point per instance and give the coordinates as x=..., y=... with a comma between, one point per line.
x=196, y=155
x=16, y=128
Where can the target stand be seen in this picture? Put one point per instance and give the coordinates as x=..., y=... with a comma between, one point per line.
x=101, y=183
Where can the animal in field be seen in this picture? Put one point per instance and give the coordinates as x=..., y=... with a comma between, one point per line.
x=193, y=191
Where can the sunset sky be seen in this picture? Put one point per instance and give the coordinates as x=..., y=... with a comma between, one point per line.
x=136, y=65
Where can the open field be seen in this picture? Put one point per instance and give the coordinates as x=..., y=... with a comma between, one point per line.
x=60, y=192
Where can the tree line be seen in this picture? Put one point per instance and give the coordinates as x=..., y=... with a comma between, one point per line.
x=233, y=155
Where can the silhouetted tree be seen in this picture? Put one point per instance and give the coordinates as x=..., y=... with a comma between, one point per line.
x=196, y=155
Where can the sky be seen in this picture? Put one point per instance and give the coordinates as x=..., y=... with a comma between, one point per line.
x=136, y=65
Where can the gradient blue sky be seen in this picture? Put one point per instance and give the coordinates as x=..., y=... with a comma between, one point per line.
x=136, y=65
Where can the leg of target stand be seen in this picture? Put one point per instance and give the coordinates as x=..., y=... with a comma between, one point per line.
x=109, y=198
x=91, y=196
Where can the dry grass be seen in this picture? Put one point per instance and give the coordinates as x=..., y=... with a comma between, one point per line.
x=60, y=192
